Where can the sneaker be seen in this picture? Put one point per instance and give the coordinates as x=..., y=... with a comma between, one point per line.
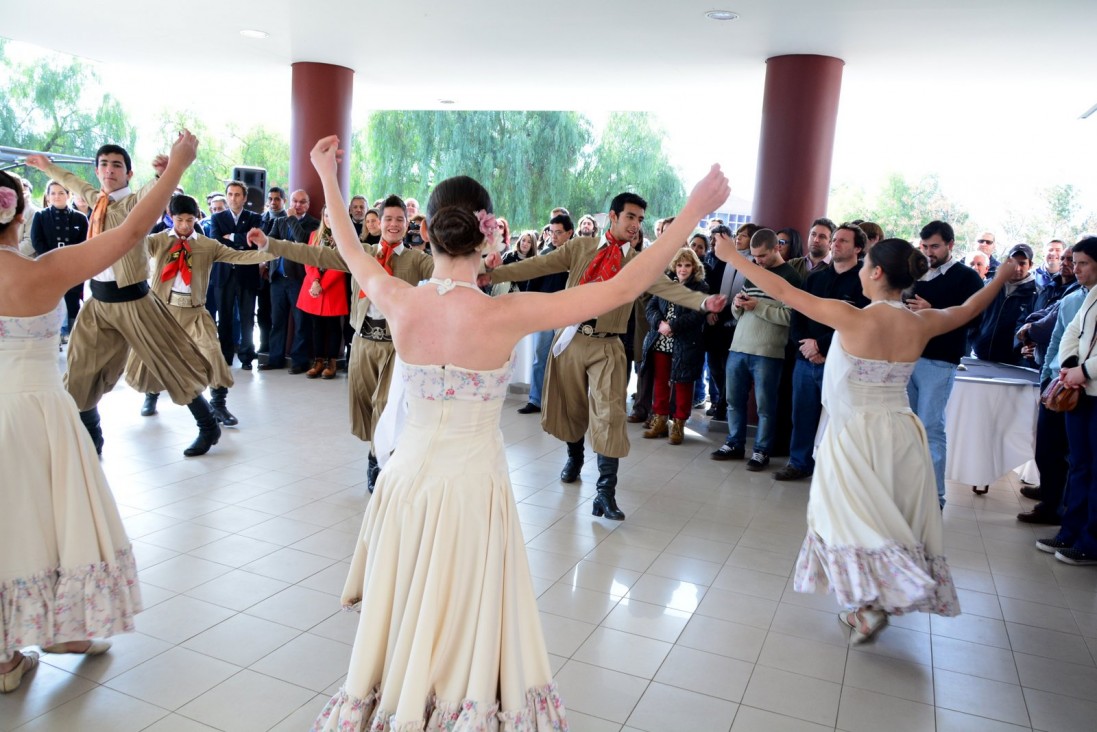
x=790, y=473
x=700, y=404
x=728, y=452
x=758, y=460
x=1075, y=557
x=1051, y=545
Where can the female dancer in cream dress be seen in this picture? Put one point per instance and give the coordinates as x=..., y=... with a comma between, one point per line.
x=874, y=526
x=450, y=637
x=66, y=570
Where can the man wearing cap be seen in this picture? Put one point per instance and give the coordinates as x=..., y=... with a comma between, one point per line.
x=996, y=338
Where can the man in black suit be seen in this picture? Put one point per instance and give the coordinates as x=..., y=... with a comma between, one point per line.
x=238, y=283
x=285, y=284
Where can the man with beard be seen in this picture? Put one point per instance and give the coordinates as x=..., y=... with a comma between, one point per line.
x=948, y=282
x=818, y=256
x=586, y=377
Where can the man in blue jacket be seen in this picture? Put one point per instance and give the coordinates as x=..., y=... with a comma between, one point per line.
x=996, y=339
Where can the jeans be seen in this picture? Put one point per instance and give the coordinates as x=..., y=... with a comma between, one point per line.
x=807, y=408
x=766, y=373
x=928, y=390
x=1079, y=528
x=541, y=344
x=699, y=389
x=1052, y=458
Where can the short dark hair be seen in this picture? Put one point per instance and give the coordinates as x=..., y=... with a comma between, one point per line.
x=394, y=201
x=1087, y=246
x=860, y=241
x=238, y=184
x=112, y=149
x=564, y=220
x=617, y=205
x=764, y=239
x=824, y=221
x=938, y=228
x=276, y=189
x=182, y=204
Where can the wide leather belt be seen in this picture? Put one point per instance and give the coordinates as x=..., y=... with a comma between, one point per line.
x=111, y=292
x=181, y=299
x=588, y=330
x=375, y=330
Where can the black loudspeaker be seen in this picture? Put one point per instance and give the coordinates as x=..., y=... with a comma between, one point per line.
x=256, y=181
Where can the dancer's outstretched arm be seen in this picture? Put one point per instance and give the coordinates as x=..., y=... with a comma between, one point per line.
x=49, y=276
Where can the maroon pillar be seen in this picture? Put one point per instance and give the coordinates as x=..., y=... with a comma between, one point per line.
x=799, y=114
x=321, y=102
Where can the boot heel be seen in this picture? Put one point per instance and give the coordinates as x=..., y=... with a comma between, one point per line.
x=599, y=510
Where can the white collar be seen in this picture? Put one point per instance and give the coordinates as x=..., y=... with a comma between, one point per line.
x=398, y=249
x=192, y=237
x=603, y=241
x=119, y=194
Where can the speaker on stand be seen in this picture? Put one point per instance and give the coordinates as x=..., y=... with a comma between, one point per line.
x=256, y=181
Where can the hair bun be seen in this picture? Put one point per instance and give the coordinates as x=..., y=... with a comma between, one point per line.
x=918, y=264
x=455, y=231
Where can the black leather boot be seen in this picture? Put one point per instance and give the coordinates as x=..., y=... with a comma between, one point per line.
x=570, y=473
x=208, y=430
x=149, y=407
x=605, y=503
x=90, y=418
x=220, y=411
x=372, y=472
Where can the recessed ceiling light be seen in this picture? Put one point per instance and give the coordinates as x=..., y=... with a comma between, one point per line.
x=248, y=33
x=446, y=101
x=722, y=15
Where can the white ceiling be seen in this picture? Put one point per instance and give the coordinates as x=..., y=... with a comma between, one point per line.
x=932, y=56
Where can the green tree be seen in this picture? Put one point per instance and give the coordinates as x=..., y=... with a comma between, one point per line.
x=901, y=207
x=530, y=161
x=263, y=148
x=1060, y=215
x=213, y=165
x=56, y=105
x=630, y=157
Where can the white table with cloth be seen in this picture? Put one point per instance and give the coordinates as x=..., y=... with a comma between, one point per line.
x=991, y=421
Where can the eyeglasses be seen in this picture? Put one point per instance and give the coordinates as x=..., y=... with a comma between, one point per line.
x=984, y=241
x=782, y=241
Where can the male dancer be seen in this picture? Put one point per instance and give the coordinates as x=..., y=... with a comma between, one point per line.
x=183, y=261
x=372, y=356
x=586, y=379
x=122, y=315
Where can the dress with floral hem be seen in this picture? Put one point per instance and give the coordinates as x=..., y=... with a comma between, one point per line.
x=875, y=535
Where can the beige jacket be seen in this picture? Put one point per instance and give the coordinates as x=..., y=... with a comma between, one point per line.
x=203, y=253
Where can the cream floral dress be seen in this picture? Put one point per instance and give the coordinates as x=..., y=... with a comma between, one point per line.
x=449, y=636
x=66, y=569
x=874, y=525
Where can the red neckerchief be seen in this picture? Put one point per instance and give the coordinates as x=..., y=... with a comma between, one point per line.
x=178, y=261
x=606, y=263
x=384, y=258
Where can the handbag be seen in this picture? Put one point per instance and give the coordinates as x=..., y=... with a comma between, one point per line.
x=1058, y=397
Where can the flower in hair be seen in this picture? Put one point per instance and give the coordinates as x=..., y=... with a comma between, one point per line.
x=489, y=227
x=8, y=200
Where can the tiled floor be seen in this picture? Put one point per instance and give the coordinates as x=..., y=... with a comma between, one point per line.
x=680, y=618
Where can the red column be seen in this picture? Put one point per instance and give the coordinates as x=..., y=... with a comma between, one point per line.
x=322, y=95
x=799, y=114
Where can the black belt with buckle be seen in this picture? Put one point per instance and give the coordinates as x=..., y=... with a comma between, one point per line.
x=375, y=330
x=111, y=292
x=588, y=330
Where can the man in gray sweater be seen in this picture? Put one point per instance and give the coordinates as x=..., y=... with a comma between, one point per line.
x=757, y=353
